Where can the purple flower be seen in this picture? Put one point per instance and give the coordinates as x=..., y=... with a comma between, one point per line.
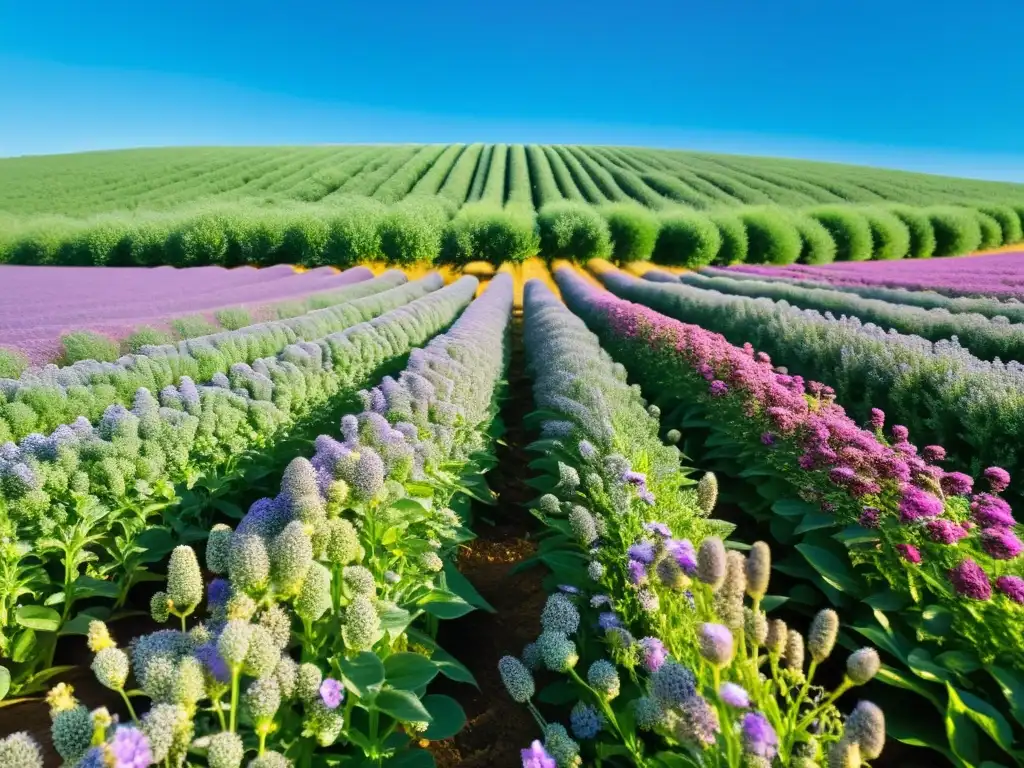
x=210, y=658
x=646, y=496
x=956, y=483
x=916, y=504
x=654, y=653
x=900, y=433
x=637, y=572
x=638, y=479
x=1001, y=543
x=569, y=589
x=718, y=388
x=642, y=551
x=598, y=600
x=877, y=418
x=659, y=528
x=970, y=580
x=734, y=695
x=759, y=738
x=842, y=475
x=909, y=552
x=537, y=757
x=716, y=644
x=945, y=531
x=608, y=620
x=998, y=479
x=869, y=518
x=218, y=592
x=933, y=453
x=1012, y=587
x=130, y=748
x=683, y=552
x=989, y=510
x=587, y=450
x=332, y=693
x=767, y=438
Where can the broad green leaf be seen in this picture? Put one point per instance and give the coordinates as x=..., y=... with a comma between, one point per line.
x=900, y=679
x=24, y=646
x=401, y=705
x=959, y=661
x=38, y=617
x=793, y=508
x=362, y=673
x=445, y=604
x=985, y=716
x=855, y=534
x=410, y=758
x=1013, y=689
x=921, y=663
x=447, y=717
x=771, y=602
x=462, y=587
x=559, y=692
x=960, y=730
x=937, y=620
x=815, y=520
x=408, y=671
x=87, y=586
x=80, y=624
x=394, y=620
x=887, y=600
x=833, y=570
x=5, y=682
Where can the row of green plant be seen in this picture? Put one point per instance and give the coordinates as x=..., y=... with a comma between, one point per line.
x=318, y=644
x=78, y=509
x=424, y=228
x=924, y=562
x=986, y=338
x=41, y=400
x=660, y=637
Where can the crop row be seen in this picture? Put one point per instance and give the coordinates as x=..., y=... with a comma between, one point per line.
x=984, y=337
x=42, y=399
x=77, y=506
x=321, y=621
x=345, y=230
x=919, y=562
x=646, y=629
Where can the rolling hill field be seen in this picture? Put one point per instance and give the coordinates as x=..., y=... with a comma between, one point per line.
x=339, y=205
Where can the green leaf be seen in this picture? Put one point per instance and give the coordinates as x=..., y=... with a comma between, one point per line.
x=462, y=587
x=833, y=570
x=362, y=673
x=960, y=730
x=900, y=679
x=38, y=617
x=1013, y=689
x=87, y=586
x=444, y=604
x=793, y=508
x=921, y=663
x=452, y=668
x=408, y=671
x=771, y=602
x=959, y=661
x=24, y=646
x=815, y=520
x=448, y=717
x=985, y=716
x=886, y=601
x=401, y=705
x=5, y=682
x=395, y=621
x=80, y=624
x=855, y=534
x=937, y=620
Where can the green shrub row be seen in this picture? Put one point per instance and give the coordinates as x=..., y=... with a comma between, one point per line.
x=346, y=230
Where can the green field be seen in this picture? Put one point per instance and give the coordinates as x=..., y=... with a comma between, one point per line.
x=406, y=203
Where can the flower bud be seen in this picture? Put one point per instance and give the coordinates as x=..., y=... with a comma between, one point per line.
x=707, y=492
x=225, y=750
x=759, y=567
x=604, y=678
x=557, y=651
x=111, y=667
x=821, y=637
x=517, y=679
x=716, y=644
x=794, y=656
x=866, y=727
x=218, y=549
x=844, y=754
x=862, y=665
x=184, y=579
x=560, y=615
x=778, y=633
x=314, y=598
x=711, y=562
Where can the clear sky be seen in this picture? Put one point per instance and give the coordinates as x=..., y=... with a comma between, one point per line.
x=935, y=86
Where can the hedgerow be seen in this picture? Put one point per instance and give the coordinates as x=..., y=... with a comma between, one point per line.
x=890, y=237
x=991, y=232
x=576, y=231
x=772, y=237
x=849, y=229
x=485, y=231
x=957, y=230
x=919, y=227
x=1009, y=221
x=734, y=238
x=817, y=245
x=686, y=239
x=633, y=229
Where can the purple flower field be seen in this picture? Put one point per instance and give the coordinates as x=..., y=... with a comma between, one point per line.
x=1000, y=275
x=39, y=304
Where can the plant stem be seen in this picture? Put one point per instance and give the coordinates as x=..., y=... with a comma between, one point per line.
x=128, y=702
x=236, y=675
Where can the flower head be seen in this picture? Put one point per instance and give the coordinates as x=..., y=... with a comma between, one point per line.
x=585, y=721
x=998, y=479
x=1012, y=587
x=537, y=757
x=130, y=748
x=759, y=738
x=909, y=552
x=560, y=615
x=970, y=580
x=653, y=653
x=332, y=693
x=734, y=695
x=716, y=644
x=604, y=678
x=1001, y=543
x=517, y=679
x=862, y=665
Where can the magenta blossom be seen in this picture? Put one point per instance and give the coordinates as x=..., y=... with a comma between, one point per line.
x=909, y=552
x=332, y=693
x=998, y=479
x=718, y=388
x=945, y=531
x=1012, y=587
x=654, y=653
x=537, y=757
x=916, y=504
x=970, y=580
x=989, y=510
x=956, y=483
x=1001, y=543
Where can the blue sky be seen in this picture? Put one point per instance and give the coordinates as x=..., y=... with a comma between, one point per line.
x=904, y=83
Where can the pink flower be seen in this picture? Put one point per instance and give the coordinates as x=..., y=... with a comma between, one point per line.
x=909, y=552
x=970, y=580
x=1001, y=543
x=998, y=479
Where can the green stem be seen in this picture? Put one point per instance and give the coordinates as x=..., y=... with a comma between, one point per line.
x=236, y=678
x=263, y=740
x=843, y=688
x=128, y=703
